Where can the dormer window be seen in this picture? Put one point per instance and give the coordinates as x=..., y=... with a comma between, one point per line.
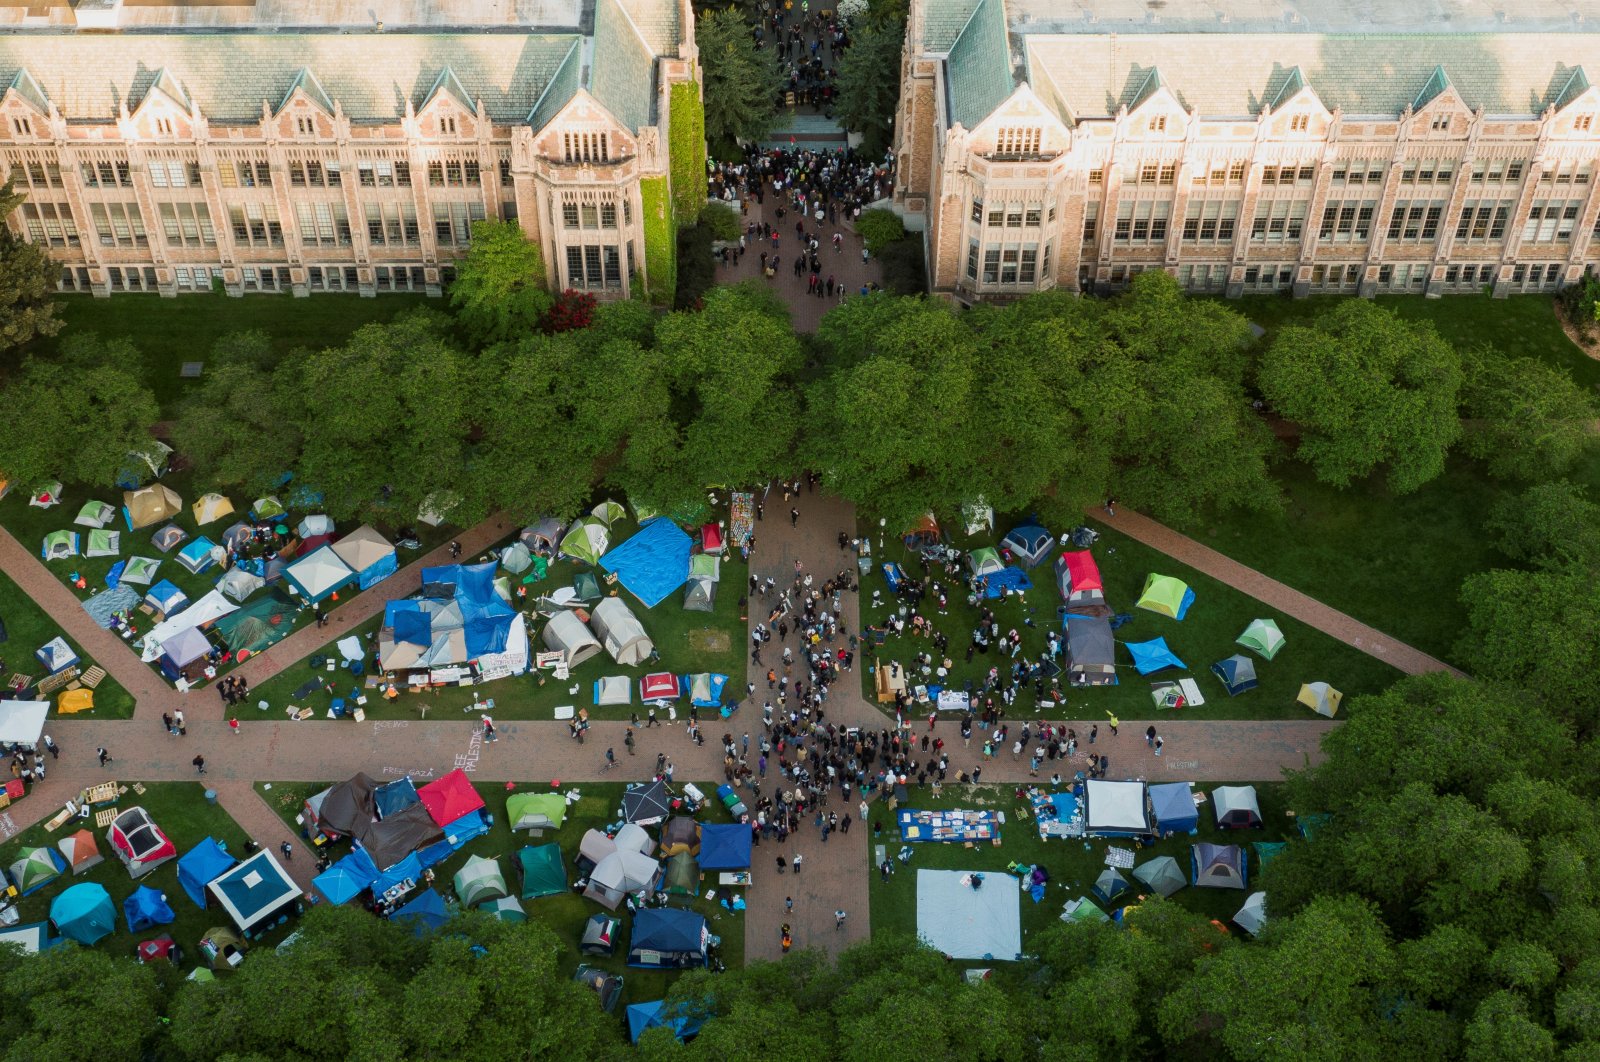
x=305, y=125
x=1441, y=123
x=1582, y=123
x=586, y=147
x=1158, y=124
x=1300, y=123
x=24, y=126
x=447, y=125
x=164, y=127
x=1018, y=140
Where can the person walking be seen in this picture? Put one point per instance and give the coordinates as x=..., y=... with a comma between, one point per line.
x=788, y=905
x=794, y=517
x=1113, y=724
x=627, y=739
x=199, y=764
x=1094, y=732
x=781, y=864
x=166, y=722
x=178, y=723
x=233, y=726
x=838, y=919
x=1150, y=735
x=1158, y=743
x=105, y=757
x=55, y=750
x=797, y=858
x=287, y=849
x=489, y=732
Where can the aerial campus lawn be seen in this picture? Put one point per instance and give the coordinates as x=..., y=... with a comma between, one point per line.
x=30, y=524
x=181, y=811
x=1072, y=864
x=1219, y=615
x=566, y=914
x=169, y=332
x=1396, y=563
x=688, y=642
x=27, y=628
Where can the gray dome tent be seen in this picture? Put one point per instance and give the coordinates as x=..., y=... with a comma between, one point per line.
x=566, y=634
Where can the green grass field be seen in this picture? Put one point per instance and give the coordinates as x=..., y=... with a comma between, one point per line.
x=180, y=809
x=28, y=628
x=565, y=914
x=1218, y=616
x=1073, y=865
x=687, y=642
x=169, y=332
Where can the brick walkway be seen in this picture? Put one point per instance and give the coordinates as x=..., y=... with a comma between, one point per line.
x=835, y=875
x=1285, y=599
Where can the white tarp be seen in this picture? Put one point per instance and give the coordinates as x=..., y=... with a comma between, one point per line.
x=211, y=607
x=21, y=722
x=967, y=923
x=350, y=648
x=1115, y=806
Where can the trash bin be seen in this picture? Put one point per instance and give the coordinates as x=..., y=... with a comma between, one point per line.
x=211, y=796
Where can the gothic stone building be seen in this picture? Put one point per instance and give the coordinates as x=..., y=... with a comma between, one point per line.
x=1251, y=145
x=319, y=145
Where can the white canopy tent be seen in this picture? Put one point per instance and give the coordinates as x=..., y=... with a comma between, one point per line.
x=21, y=722
x=209, y=608
x=1116, y=807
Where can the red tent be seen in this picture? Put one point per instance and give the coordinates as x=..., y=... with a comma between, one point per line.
x=711, y=538
x=450, y=797
x=1082, y=570
x=660, y=686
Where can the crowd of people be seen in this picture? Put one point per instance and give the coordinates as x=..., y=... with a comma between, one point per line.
x=808, y=45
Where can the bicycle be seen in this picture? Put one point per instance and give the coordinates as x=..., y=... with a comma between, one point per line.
x=610, y=762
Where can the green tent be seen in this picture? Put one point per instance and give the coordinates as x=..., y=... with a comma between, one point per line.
x=683, y=875
x=705, y=566
x=587, y=540
x=1162, y=874
x=535, y=811
x=985, y=561
x=543, y=873
x=36, y=868
x=258, y=625
x=1083, y=909
x=586, y=586
x=1267, y=851
x=1263, y=637
x=141, y=571
x=479, y=880
x=506, y=909
x=59, y=545
x=1166, y=595
x=103, y=544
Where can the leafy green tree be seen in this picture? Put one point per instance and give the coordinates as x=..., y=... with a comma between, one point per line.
x=741, y=81
x=1366, y=389
x=1529, y=420
x=722, y=221
x=239, y=428
x=880, y=227
x=1550, y=525
x=77, y=1005
x=869, y=82
x=27, y=282
x=499, y=293
x=79, y=414
x=385, y=419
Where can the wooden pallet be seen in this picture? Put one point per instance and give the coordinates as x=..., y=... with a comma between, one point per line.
x=57, y=681
x=105, y=818
x=92, y=677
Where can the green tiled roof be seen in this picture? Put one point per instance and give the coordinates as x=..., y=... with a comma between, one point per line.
x=1365, y=74
x=1286, y=91
x=657, y=23
x=450, y=85
x=943, y=21
x=307, y=81
x=29, y=89
x=565, y=82
x=231, y=75
x=978, y=70
x=1576, y=86
x=622, y=72
x=1438, y=82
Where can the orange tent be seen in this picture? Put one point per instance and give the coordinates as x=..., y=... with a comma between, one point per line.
x=71, y=701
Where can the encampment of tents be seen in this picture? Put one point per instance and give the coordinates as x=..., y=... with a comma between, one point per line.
x=140, y=570
x=449, y=797
x=319, y=575
x=1263, y=637
x=700, y=594
x=681, y=875
x=367, y=553
x=1172, y=803
x=599, y=935
x=680, y=834
x=653, y=563
x=166, y=598
x=1320, y=698
x=616, y=875
x=1236, y=807
x=70, y=702
x=668, y=938
x=922, y=534
x=613, y=689
x=1167, y=596
x=543, y=537
x=34, y=868
x=47, y=496
x=586, y=541
x=1109, y=885
x=239, y=584
x=267, y=508
x=1237, y=672
x=620, y=631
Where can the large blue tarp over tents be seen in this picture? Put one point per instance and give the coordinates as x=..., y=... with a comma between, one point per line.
x=472, y=825
x=428, y=910
x=1153, y=655
x=347, y=878
x=201, y=865
x=642, y=1016
x=724, y=846
x=409, y=868
x=653, y=563
x=484, y=616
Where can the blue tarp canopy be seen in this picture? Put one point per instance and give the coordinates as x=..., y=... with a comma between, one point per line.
x=1173, y=804
x=346, y=879
x=1153, y=656
x=408, y=868
x=200, y=866
x=642, y=1016
x=395, y=796
x=428, y=910
x=472, y=825
x=996, y=583
x=653, y=563
x=146, y=907
x=409, y=622
x=667, y=937
x=724, y=846
x=485, y=617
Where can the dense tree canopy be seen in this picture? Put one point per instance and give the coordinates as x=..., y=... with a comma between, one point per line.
x=869, y=79
x=1366, y=389
x=1529, y=421
x=242, y=424
x=27, y=283
x=741, y=81
x=499, y=293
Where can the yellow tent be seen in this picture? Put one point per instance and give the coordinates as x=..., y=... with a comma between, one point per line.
x=211, y=508
x=1320, y=698
x=75, y=701
x=150, y=505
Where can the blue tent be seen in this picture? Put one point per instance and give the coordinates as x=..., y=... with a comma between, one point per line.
x=409, y=868
x=642, y=1016
x=84, y=913
x=146, y=907
x=1153, y=656
x=485, y=616
x=346, y=879
x=409, y=622
x=165, y=598
x=725, y=846
x=1173, y=804
x=1029, y=543
x=197, y=555
x=996, y=583
x=1237, y=672
x=428, y=910
x=707, y=694
x=668, y=938
x=653, y=563
x=200, y=866
x=395, y=796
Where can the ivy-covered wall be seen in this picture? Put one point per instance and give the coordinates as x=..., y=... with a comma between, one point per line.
x=688, y=147
x=660, y=239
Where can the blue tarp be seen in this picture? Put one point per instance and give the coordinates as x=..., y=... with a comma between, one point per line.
x=724, y=846
x=996, y=583
x=485, y=615
x=202, y=865
x=472, y=825
x=395, y=796
x=408, y=868
x=717, y=684
x=673, y=932
x=1173, y=804
x=146, y=907
x=166, y=597
x=409, y=622
x=114, y=576
x=101, y=607
x=642, y=1016
x=428, y=909
x=653, y=563
x=346, y=879
x=196, y=555
x=378, y=571
x=1152, y=656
